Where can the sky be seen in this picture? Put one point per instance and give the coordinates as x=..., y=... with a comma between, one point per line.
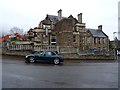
x=26, y=14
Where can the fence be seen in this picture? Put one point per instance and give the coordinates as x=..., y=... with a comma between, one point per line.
x=46, y=48
x=60, y=50
x=19, y=47
x=33, y=48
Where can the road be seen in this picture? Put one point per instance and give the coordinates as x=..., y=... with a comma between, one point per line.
x=17, y=74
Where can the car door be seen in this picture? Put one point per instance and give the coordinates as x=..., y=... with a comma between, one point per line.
x=47, y=56
x=40, y=57
x=36, y=55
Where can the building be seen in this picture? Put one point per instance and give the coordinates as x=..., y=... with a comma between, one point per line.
x=97, y=39
x=68, y=32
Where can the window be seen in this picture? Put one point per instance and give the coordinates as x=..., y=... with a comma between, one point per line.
x=81, y=40
x=95, y=40
x=103, y=40
x=88, y=40
x=34, y=34
x=53, y=40
x=48, y=53
x=74, y=38
x=46, y=31
x=77, y=28
x=46, y=26
x=53, y=53
x=43, y=26
x=99, y=40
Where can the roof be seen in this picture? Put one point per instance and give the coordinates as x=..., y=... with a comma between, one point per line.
x=47, y=21
x=52, y=18
x=74, y=20
x=97, y=33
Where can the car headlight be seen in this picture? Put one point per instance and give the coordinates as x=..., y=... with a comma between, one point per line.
x=26, y=56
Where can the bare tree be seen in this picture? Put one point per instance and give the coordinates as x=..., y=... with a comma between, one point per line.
x=16, y=30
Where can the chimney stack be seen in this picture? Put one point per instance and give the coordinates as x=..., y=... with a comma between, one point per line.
x=80, y=18
x=100, y=27
x=59, y=14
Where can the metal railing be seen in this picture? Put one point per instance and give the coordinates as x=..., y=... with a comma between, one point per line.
x=33, y=48
x=45, y=48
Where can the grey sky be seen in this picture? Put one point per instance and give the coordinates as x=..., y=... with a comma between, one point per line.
x=27, y=14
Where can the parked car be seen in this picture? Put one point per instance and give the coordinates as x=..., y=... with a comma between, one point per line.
x=47, y=56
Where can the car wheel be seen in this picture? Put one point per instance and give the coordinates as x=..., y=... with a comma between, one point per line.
x=56, y=61
x=31, y=59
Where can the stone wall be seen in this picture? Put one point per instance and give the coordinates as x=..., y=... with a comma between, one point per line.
x=87, y=57
x=65, y=53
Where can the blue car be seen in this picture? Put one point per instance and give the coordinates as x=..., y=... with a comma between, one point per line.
x=47, y=56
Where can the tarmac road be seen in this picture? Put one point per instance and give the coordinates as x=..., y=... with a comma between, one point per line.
x=17, y=74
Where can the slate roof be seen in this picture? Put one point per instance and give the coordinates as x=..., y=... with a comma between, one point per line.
x=97, y=33
x=52, y=18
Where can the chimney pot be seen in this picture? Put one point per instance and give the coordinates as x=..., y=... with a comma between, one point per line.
x=80, y=18
x=100, y=27
x=60, y=14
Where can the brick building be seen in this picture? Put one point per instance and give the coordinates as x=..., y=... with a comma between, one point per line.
x=68, y=32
